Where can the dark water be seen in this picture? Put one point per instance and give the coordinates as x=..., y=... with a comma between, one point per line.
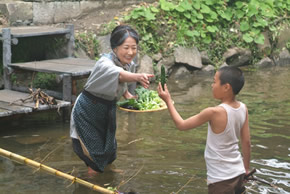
x=154, y=155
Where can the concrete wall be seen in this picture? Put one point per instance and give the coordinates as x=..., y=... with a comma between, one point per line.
x=49, y=12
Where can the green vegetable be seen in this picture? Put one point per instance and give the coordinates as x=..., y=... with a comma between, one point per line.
x=147, y=100
x=163, y=76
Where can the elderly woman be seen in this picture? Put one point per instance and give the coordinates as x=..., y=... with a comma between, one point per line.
x=93, y=118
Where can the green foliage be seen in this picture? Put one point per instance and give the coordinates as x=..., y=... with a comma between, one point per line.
x=107, y=28
x=88, y=42
x=210, y=25
x=45, y=81
x=147, y=100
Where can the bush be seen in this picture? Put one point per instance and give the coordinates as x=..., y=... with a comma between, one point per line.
x=209, y=25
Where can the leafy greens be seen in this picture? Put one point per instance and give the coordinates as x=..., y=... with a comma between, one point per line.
x=147, y=100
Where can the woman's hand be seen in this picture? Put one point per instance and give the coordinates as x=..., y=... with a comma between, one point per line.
x=128, y=95
x=143, y=79
x=164, y=94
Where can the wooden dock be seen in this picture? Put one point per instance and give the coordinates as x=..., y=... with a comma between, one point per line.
x=68, y=68
x=11, y=104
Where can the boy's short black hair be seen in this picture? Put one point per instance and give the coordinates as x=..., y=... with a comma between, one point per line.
x=120, y=33
x=233, y=76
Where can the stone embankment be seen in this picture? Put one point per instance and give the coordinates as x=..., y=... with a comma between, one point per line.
x=36, y=12
x=186, y=61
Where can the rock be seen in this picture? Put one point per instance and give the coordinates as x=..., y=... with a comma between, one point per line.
x=146, y=65
x=168, y=63
x=224, y=65
x=14, y=11
x=237, y=56
x=265, y=49
x=283, y=37
x=208, y=68
x=188, y=56
x=266, y=62
x=180, y=72
x=283, y=58
x=104, y=44
x=31, y=140
x=205, y=59
x=157, y=57
x=57, y=12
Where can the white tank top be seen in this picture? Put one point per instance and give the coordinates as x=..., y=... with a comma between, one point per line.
x=222, y=155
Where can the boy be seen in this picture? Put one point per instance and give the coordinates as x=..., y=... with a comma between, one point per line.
x=226, y=123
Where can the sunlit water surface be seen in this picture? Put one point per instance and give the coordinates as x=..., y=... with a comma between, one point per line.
x=154, y=155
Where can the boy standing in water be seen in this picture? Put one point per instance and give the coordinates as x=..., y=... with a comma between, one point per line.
x=227, y=123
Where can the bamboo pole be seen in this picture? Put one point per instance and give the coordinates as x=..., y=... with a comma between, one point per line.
x=53, y=171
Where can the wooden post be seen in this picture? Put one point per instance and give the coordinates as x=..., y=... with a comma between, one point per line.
x=71, y=40
x=67, y=87
x=6, y=35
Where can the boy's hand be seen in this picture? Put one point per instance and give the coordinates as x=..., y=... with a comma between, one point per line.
x=163, y=94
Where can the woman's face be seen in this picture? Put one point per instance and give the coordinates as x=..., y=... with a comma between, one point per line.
x=126, y=51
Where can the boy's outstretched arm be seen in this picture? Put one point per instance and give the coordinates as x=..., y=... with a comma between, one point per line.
x=180, y=123
x=165, y=95
x=246, y=144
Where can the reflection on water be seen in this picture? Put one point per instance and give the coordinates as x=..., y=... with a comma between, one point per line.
x=155, y=156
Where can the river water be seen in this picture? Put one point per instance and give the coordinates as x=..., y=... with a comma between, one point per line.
x=155, y=157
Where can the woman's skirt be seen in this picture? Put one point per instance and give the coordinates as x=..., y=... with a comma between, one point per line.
x=95, y=123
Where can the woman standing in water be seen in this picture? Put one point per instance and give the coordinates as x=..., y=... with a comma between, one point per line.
x=93, y=118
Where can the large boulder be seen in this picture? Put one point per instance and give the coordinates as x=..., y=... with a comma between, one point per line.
x=188, y=56
x=237, y=56
x=146, y=65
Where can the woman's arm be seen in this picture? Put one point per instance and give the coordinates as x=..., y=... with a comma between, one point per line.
x=142, y=78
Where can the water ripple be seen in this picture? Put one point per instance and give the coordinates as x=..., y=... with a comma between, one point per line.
x=272, y=163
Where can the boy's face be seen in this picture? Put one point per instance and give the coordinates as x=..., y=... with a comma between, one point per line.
x=217, y=88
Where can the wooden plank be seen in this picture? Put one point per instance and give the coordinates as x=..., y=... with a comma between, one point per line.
x=10, y=96
x=74, y=61
x=13, y=107
x=5, y=113
x=29, y=31
x=7, y=107
x=75, y=67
